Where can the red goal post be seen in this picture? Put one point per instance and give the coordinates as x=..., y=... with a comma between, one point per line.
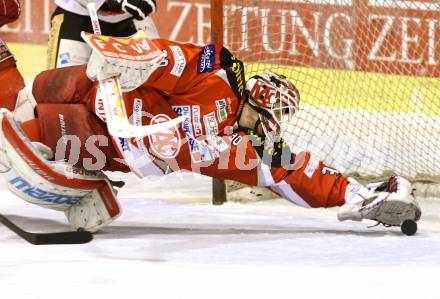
x=219, y=195
x=367, y=71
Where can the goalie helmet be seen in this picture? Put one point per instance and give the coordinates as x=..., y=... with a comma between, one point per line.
x=275, y=99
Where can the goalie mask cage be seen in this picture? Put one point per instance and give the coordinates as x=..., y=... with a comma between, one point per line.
x=367, y=72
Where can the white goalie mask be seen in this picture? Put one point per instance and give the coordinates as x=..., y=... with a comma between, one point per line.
x=275, y=99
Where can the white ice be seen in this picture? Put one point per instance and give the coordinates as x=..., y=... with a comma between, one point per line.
x=171, y=242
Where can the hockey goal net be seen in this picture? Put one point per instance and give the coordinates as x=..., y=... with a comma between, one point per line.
x=367, y=71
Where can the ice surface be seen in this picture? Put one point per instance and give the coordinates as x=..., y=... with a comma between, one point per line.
x=171, y=242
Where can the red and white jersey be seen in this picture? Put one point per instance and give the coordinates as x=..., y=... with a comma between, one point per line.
x=9, y=11
x=80, y=7
x=206, y=84
x=203, y=83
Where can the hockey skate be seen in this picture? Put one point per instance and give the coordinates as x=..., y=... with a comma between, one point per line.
x=389, y=203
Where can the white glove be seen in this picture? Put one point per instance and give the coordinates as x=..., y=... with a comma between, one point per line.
x=139, y=9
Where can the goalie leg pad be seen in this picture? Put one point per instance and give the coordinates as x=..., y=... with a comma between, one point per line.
x=53, y=184
x=93, y=148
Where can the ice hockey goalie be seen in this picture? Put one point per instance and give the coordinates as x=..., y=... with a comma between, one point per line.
x=232, y=130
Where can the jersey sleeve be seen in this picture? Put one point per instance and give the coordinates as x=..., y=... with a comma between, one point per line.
x=300, y=178
x=188, y=64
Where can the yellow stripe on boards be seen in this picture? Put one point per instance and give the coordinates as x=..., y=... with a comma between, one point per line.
x=372, y=92
x=31, y=58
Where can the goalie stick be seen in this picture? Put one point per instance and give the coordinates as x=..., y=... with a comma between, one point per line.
x=116, y=116
x=71, y=237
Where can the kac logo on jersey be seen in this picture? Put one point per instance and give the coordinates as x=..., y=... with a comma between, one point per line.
x=166, y=143
x=206, y=61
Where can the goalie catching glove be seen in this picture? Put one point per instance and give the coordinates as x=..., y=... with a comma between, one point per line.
x=87, y=198
x=389, y=203
x=133, y=59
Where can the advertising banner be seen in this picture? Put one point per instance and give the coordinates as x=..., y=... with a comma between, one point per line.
x=385, y=36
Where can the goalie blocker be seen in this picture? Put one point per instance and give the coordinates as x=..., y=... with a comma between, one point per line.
x=87, y=198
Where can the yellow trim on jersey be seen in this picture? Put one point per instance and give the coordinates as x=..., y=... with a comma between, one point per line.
x=53, y=41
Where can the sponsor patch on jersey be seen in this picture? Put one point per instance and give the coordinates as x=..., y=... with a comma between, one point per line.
x=211, y=125
x=123, y=143
x=187, y=126
x=179, y=61
x=137, y=120
x=196, y=148
x=64, y=58
x=99, y=106
x=199, y=149
x=206, y=61
x=137, y=111
x=197, y=124
x=229, y=105
x=311, y=166
x=222, y=114
x=165, y=144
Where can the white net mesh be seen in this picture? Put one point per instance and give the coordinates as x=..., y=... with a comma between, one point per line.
x=367, y=72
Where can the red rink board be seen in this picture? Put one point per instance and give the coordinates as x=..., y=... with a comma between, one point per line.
x=387, y=36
